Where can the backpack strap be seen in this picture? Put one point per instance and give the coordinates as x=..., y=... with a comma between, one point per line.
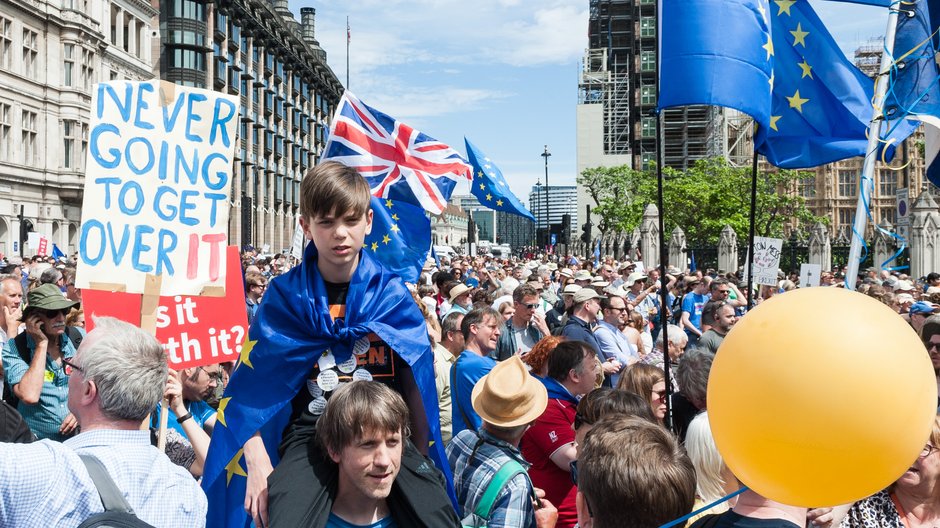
x=75, y=336
x=497, y=482
x=111, y=497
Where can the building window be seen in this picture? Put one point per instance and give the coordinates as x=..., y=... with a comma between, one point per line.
x=80, y=162
x=648, y=95
x=187, y=9
x=648, y=61
x=648, y=160
x=648, y=27
x=28, y=144
x=846, y=216
x=649, y=127
x=187, y=58
x=887, y=183
x=68, y=63
x=6, y=125
x=848, y=183
x=88, y=69
x=30, y=52
x=807, y=187
x=6, y=43
x=889, y=214
x=68, y=144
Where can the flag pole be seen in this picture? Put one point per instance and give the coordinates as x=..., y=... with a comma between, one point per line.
x=866, y=184
x=663, y=251
x=347, y=52
x=752, y=219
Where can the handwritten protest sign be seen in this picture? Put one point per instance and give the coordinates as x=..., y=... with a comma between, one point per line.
x=157, y=185
x=809, y=275
x=195, y=331
x=766, y=260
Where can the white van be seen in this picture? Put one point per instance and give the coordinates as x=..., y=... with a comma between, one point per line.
x=445, y=251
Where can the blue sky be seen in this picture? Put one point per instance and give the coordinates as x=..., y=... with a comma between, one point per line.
x=501, y=72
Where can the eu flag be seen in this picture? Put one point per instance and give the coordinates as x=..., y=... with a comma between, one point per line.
x=400, y=237
x=821, y=105
x=292, y=329
x=490, y=187
x=717, y=52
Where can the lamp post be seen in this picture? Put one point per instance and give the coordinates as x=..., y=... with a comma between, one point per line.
x=538, y=214
x=548, y=217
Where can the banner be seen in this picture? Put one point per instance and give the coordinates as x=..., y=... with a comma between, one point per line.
x=766, y=260
x=195, y=331
x=157, y=186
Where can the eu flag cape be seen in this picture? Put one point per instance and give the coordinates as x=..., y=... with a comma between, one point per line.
x=291, y=330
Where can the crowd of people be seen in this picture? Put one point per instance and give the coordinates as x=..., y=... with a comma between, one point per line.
x=537, y=385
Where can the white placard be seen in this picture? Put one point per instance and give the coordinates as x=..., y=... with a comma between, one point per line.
x=297, y=245
x=157, y=186
x=766, y=260
x=809, y=275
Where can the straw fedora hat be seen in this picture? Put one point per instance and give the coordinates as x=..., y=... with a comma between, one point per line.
x=509, y=396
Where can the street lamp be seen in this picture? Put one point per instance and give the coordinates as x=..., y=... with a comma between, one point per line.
x=548, y=217
x=538, y=214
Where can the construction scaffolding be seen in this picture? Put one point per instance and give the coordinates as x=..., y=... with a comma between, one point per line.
x=609, y=87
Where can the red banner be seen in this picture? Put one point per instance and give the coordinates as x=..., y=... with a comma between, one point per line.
x=195, y=331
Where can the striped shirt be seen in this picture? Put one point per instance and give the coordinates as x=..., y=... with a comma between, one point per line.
x=45, y=483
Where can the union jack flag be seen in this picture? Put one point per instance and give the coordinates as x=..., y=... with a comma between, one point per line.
x=399, y=162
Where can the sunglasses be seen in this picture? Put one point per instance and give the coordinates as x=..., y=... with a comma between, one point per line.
x=52, y=313
x=69, y=367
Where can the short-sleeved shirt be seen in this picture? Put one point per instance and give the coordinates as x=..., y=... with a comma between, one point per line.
x=470, y=367
x=551, y=431
x=710, y=340
x=200, y=410
x=336, y=522
x=45, y=417
x=693, y=303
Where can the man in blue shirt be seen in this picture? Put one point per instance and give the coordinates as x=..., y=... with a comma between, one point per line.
x=198, y=383
x=692, y=305
x=115, y=380
x=616, y=350
x=481, y=329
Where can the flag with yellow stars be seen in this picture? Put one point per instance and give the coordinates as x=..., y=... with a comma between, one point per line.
x=400, y=237
x=717, y=52
x=821, y=105
x=490, y=187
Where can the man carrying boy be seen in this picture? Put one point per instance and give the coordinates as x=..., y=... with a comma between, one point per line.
x=338, y=316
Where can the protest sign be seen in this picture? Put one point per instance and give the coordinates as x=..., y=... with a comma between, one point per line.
x=766, y=260
x=809, y=275
x=157, y=185
x=195, y=331
x=298, y=243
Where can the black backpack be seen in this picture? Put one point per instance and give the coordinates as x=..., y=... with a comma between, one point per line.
x=117, y=512
x=75, y=336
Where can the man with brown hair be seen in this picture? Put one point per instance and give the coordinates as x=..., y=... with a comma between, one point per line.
x=526, y=326
x=632, y=474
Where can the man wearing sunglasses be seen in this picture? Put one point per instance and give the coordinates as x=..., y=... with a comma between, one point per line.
x=33, y=364
x=255, y=285
x=526, y=326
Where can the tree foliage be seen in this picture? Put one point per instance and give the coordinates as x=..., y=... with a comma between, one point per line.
x=701, y=200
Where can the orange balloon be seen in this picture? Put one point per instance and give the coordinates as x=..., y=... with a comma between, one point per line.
x=820, y=397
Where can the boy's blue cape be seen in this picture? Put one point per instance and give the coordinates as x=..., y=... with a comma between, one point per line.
x=291, y=330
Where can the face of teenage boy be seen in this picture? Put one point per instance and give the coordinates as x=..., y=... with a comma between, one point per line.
x=338, y=240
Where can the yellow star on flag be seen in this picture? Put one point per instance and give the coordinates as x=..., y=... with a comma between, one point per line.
x=784, y=6
x=807, y=69
x=234, y=468
x=375, y=246
x=395, y=217
x=220, y=416
x=386, y=239
x=482, y=187
x=480, y=174
x=499, y=203
x=244, y=357
x=388, y=203
x=797, y=102
x=489, y=197
x=773, y=122
x=395, y=228
x=799, y=36
x=769, y=47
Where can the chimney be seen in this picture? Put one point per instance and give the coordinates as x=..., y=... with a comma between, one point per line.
x=308, y=17
x=282, y=8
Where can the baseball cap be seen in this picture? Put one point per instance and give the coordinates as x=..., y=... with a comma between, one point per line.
x=920, y=307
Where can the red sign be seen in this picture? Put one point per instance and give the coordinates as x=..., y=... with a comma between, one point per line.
x=195, y=331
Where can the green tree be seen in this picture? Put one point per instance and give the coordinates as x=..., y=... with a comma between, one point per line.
x=701, y=200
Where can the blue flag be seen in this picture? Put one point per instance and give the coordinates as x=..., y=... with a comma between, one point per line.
x=821, y=102
x=292, y=329
x=692, y=266
x=913, y=90
x=716, y=52
x=400, y=237
x=877, y=3
x=490, y=187
x=56, y=252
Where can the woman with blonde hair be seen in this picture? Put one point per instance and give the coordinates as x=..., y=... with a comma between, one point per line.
x=649, y=382
x=713, y=479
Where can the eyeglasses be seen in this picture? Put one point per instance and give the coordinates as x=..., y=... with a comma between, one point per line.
x=927, y=450
x=212, y=375
x=262, y=286
x=932, y=346
x=530, y=306
x=52, y=313
x=723, y=292
x=618, y=309
x=69, y=367
x=660, y=395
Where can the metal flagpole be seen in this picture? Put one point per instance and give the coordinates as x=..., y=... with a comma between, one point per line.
x=866, y=185
x=347, y=52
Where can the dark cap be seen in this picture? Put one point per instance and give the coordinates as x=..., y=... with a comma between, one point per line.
x=47, y=297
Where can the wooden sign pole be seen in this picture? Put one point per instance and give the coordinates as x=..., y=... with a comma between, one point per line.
x=148, y=323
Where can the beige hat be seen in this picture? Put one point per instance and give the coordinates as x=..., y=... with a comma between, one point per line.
x=509, y=396
x=571, y=289
x=585, y=294
x=904, y=285
x=565, y=272
x=458, y=290
x=552, y=266
x=583, y=275
x=633, y=277
x=599, y=282
x=617, y=291
x=933, y=289
x=627, y=264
